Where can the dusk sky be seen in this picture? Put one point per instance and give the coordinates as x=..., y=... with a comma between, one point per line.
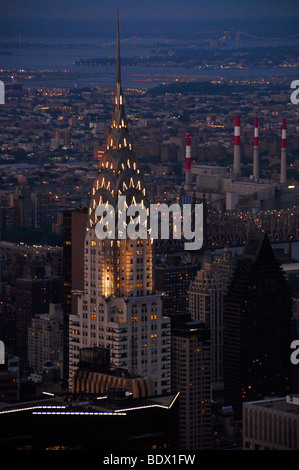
x=96, y=9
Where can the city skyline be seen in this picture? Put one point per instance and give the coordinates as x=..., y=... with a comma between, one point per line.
x=144, y=344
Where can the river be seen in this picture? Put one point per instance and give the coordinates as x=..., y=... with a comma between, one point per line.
x=63, y=57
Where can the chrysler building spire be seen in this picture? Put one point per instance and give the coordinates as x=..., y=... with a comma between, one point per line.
x=119, y=112
x=118, y=72
x=119, y=172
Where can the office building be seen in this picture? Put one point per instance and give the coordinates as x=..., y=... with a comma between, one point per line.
x=191, y=377
x=73, y=228
x=271, y=424
x=173, y=279
x=206, y=305
x=9, y=386
x=118, y=308
x=45, y=340
x=33, y=296
x=206, y=297
x=257, y=327
x=74, y=224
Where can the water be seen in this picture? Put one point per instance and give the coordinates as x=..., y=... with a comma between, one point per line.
x=53, y=45
x=64, y=58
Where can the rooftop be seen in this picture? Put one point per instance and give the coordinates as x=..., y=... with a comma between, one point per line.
x=288, y=404
x=86, y=404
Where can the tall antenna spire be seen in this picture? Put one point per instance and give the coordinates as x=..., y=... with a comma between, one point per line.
x=119, y=121
x=118, y=75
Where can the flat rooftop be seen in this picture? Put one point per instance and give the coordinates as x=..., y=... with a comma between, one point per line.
x=290, y=266
x=288, y=404
x=85, y=404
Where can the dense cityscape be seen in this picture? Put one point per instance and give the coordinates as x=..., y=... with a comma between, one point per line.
x=122, y=344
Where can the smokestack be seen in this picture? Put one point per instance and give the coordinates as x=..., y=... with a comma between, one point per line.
x=188, y=162
x=256, y=149
x=237, y=158
x=283, y=161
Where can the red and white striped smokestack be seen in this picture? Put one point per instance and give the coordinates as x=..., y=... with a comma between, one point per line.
x=188, y=152
x=188, y=162
x=256, y=131
x=283, y=134
x=237, y=159
x=256, y=149
x=283, y=160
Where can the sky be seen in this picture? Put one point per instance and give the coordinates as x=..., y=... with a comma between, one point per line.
x=97, y=9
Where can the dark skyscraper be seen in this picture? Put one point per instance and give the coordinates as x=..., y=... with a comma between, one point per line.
x=191, y=377
x=74, y=222
x=173, y=279
x=257, y=327
x=34, y=296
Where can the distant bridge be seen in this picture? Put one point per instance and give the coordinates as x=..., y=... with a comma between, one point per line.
x=232, y=228
x=253, y=36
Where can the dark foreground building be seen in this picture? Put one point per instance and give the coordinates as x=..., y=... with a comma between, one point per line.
x=191, y=376
x=112, y=423
x=257, y=327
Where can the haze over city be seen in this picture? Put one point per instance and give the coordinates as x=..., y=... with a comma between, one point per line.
x=92, y=9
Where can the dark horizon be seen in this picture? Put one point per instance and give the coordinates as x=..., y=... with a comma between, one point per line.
x=155, y=9
x=178, y=27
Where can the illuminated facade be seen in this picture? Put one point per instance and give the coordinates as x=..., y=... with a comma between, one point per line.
x=118, y=309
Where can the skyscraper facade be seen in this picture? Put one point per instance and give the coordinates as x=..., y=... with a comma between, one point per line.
x=45, y=339
x=257, y=327
x=191, y=377
x=74, y=223
x=206, y=305
x=173, y=279
x=118, y=308
x=206, y=295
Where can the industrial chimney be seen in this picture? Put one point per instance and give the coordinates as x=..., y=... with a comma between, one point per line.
x=283, y=161
x=256, y=150
x=237, y=158
x=188, y=163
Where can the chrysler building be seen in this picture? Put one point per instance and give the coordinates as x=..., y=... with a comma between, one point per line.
x=118, y=309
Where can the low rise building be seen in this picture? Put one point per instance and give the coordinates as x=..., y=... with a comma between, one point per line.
x=271, y=424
